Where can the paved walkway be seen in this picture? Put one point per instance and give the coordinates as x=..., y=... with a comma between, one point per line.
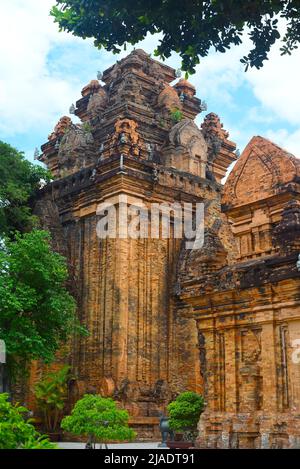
x=137, y=445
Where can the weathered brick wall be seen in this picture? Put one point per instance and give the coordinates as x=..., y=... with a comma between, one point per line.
x=248, y=311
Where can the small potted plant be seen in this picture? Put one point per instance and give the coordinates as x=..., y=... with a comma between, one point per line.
x=99, y=420
x=184, y=415
x=51, y=394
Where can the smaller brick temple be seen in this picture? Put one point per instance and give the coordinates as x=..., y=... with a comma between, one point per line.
x=222, y=320
x=246, y=302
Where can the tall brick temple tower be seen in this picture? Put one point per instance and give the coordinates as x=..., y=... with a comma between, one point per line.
x=137, y=138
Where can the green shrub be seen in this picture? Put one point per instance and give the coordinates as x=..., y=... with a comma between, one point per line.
x=17, y=431
x=51, y=394
x=185, y=411
x=98, y=419
x=37, y=312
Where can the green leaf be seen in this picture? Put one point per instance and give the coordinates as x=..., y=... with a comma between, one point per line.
x=185, y=411
x=17, y=432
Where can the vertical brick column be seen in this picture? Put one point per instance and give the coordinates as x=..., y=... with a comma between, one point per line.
x=268, y=367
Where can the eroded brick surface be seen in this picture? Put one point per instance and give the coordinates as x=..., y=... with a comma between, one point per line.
x=248, y=308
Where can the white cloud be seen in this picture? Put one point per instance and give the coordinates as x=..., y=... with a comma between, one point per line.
x=276, y=85
x=258, y=114
x=29, y=95
x=37, y=86
x=276, y=88
x=218, y=75
x=290, y=141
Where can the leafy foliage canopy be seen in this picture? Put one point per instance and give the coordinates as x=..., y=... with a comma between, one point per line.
x=37, y=313
x=20, y=181
x=190, y=28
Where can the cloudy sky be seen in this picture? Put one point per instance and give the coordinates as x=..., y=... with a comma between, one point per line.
x=43, y=71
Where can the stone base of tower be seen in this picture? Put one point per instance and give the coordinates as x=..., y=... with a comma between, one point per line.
x=146, y=428
x=224, y=430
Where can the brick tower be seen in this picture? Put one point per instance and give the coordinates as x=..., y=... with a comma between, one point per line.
x=137, y=138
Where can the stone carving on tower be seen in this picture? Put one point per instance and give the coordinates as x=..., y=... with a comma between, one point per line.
x=220, y=154
x=186, y=149
x=126, y=138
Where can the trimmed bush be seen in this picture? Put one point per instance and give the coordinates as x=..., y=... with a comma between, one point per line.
x=185, y=411
x=98, y=419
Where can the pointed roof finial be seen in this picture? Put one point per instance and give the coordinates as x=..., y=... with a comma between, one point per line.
x=36, y=153
x=72, y=109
